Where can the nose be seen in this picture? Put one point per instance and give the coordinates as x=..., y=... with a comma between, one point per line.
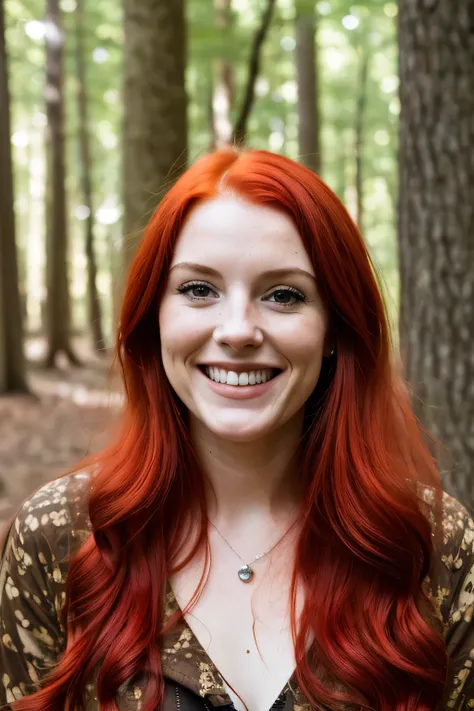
x=238, y=324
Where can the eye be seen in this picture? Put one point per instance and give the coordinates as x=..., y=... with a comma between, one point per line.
x=287, y=296
x=196, y=290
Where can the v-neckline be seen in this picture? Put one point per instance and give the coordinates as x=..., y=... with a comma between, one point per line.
x=218, y=693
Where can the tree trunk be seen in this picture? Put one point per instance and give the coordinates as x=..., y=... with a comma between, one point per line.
x=340, y=185
x=436, y=223
x=58, y=303
x=239, y=134
x=359, y=137
x=12, y=360
x=155, y=108
x=307, y=79
x=94, y=310
x=210, y=107
x=224, y=85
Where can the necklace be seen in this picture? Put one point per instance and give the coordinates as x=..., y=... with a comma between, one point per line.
x=245, y=572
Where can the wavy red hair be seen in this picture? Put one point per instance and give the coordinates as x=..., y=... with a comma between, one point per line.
x=366, y=543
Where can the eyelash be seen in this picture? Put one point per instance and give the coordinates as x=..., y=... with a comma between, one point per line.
x=186, y=288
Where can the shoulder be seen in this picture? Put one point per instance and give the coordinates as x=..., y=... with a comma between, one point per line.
x=55, y=518
x=449, y=583
x=455, y=521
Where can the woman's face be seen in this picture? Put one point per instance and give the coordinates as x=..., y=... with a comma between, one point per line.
x=243, y=329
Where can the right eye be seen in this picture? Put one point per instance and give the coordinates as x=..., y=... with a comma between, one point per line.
x=196, y=290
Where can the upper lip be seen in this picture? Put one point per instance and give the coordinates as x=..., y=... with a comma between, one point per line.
x=240, y=367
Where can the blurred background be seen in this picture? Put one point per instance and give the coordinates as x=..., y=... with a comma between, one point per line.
x=103, y=104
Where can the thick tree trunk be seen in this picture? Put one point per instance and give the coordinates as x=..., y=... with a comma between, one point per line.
x=94, y=310
x=58, y=303
x=12, y=361
x=308, y=88
x=359, y=137
x=155, y=108
x=436, y=223
x=239, y=134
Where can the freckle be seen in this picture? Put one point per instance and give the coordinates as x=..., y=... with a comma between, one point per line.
x=248, y=651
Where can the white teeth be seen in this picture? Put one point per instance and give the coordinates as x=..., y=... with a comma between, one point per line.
x=254, y=377
x=232, y=378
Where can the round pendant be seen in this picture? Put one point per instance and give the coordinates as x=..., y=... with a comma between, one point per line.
x=245, y=573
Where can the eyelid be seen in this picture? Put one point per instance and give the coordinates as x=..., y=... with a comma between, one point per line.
x=285, y=287
x=195, y=282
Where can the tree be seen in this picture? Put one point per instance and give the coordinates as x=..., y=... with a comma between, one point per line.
x=58, y=318
x=12, y=361
x=308, y=86
x=224, y=84
x=94, y=310
x=239, y=133
x=155, y=108
x=364, y=56
x=436, y=222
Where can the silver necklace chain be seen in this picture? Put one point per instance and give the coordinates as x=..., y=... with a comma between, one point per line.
x=246, y=573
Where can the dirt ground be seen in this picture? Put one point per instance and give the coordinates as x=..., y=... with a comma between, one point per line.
x=68, y=416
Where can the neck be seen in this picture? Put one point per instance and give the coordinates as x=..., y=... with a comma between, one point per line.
x=250, y=480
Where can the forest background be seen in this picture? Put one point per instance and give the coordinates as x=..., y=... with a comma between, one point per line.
x=103, y=104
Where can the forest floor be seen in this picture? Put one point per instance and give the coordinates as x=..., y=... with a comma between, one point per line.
x=68, y=415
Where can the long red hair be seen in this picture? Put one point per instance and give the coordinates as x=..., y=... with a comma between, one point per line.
x=366, y=543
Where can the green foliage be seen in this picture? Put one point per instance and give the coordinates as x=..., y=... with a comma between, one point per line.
x=347, y=32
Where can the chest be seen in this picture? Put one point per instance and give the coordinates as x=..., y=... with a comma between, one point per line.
x=243, y=627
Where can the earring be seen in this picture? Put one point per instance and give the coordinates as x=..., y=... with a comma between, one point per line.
x=332, y=352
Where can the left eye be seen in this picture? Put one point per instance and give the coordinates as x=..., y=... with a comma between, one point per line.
x=286, y=297
x=196, y=290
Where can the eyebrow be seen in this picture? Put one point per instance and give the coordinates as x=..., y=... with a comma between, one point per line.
x=203, y=269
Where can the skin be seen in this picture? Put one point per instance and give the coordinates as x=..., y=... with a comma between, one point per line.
x=246, y=447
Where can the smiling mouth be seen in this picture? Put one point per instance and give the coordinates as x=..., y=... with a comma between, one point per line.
x=230, y=377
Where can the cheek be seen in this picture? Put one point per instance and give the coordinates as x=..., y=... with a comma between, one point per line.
x=180, y=334
x=303, y=342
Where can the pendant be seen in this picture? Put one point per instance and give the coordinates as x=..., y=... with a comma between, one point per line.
x=245, y=573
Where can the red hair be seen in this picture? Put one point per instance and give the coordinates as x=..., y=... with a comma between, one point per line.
x=366, y=543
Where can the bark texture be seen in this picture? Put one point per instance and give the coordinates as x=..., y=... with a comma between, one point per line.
x=155, y=108
x=436, y=223
x=58, y=317
x=94, y=310
x=308, y=89
x=12, y=361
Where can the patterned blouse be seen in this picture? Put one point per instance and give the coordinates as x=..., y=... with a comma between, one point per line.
x=54, y=522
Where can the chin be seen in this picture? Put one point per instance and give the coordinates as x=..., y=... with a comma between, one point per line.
x=240, y=431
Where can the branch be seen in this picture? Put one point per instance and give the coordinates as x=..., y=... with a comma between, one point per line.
x=240, y=129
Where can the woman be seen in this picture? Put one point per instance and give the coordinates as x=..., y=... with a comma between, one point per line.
x=267, y=530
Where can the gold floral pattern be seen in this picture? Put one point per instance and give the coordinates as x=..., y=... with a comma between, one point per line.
x=54, y=522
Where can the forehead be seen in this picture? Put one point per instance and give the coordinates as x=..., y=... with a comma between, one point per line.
x=232, y=231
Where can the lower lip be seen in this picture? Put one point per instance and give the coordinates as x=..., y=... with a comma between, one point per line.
x=239, y=392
